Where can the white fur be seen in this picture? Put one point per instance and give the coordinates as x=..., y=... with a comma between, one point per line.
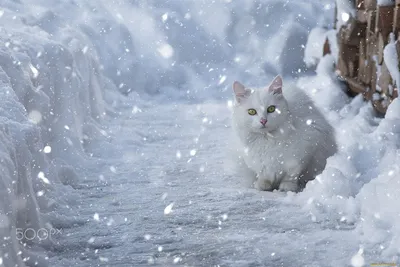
x=293, y=146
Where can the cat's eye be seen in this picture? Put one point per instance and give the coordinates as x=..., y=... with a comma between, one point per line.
x=252, y=112
x=271, y=109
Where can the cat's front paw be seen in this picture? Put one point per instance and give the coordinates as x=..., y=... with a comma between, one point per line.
x=291, y=185
x=263, y=185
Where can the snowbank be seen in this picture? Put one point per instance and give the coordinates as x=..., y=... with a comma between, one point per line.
x=51, y=102
x=315, y=45
x=345, y=11
x=359, y=184
x=62, y=62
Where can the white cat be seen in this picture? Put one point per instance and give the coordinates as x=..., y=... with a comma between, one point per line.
x=283, y=139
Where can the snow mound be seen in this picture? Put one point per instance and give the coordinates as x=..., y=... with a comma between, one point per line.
x=315, y=45
x=392, y=59
x=51, y=102
x=359, y=184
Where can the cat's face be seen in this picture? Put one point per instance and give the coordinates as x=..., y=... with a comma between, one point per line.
x=263, y=110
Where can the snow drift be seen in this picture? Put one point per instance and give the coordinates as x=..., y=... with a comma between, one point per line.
x=359, y=185
x=51, y=101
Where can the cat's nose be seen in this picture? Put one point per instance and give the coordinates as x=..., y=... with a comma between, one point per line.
x=263, y=121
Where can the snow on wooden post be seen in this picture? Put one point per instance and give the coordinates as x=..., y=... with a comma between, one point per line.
x=385, y=80
x=348, y=50
x=381, y=46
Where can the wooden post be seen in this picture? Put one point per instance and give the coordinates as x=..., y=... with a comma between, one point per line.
x=384, y=20
x=382, y=42
x=396, y=20
x=327, y=47
x=372, y=89
x=360, y=4
x=371, y=42
x=370, y=4
x=371, y=18
x=363, y=74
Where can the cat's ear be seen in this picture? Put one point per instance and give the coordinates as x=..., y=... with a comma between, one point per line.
x=241, y=93
x=276, y=86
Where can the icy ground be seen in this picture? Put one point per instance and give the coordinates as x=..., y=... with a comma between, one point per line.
x=213, y=220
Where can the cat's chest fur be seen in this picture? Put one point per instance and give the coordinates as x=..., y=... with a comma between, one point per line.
x=276, y=155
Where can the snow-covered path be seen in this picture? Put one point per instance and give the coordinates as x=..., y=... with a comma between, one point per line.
x=213, y=222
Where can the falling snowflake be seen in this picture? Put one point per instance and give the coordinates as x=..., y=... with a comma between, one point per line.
x=345, y=16
x=222, y=80
x=165, y=50
x=164, y=17
x=47, y=149
x=358, y=259
x=35, y=116
x=168, y=209
x=96, y=217
x=43, y=178
x=35, y=72
x=177, y=260
x=103, y=259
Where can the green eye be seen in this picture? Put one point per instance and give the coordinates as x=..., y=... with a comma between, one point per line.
x=271, y=109
x=252, y=112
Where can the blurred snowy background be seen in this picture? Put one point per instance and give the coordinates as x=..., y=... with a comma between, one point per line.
x=114, y=117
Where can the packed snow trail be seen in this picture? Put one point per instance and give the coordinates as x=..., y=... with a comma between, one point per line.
x=165, y=200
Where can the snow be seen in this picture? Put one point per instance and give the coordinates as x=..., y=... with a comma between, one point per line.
x=315, y=45
x=345, y=10
x=386, y=2
x=115, y=117
x=392, y=59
